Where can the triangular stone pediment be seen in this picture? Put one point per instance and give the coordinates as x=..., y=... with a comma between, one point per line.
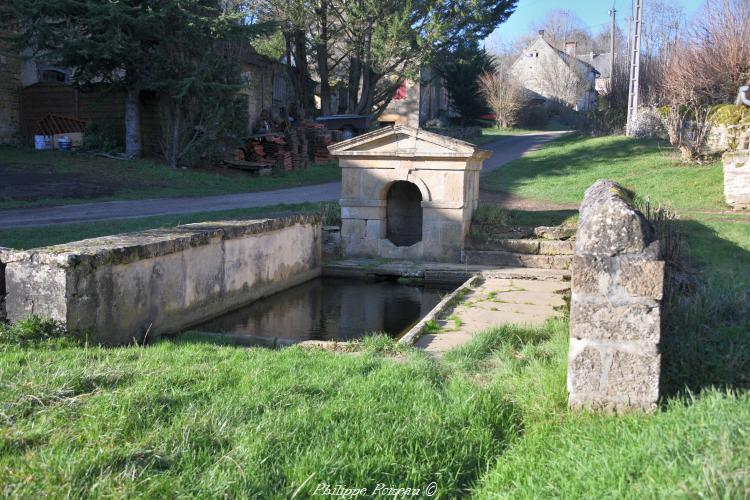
x=404, y=141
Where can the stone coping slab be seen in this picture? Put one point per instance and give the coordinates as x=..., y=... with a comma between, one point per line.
x=436, y=272
x=131, y=247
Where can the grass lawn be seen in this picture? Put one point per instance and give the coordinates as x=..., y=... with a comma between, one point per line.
x=489, y=420
x=39, y=178
x=562, y=170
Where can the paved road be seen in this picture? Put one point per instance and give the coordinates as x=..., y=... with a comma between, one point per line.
x=511, y=147
x=504, y=150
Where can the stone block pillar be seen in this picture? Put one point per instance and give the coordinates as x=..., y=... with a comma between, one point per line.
x=615, y=319
x=737, y=178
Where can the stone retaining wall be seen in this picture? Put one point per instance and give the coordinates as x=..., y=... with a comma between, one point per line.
x=615, y=318
x=119, y=287
x=737, y=178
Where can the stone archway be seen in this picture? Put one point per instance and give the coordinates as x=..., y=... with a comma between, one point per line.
x=404, y=214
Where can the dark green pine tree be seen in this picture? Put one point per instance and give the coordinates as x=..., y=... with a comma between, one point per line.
x=125, y=43
x=461, y=68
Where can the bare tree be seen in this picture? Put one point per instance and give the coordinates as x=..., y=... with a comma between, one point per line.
x=707, y=67
x=504, y=95
x=561, y=26
x=565, y=80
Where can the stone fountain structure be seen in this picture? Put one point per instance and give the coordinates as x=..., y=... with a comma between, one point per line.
x=407, y=194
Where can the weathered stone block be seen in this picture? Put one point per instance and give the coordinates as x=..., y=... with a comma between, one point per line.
x=556, y=247
x=737, y=178
x=364, y=212
x=584, y=368
x=375, y=229
x=527, y=246
x=634, y=376
x=606, y=321
x=555, y=232
x=609, y=225
x=590, y=274
x=641, y=277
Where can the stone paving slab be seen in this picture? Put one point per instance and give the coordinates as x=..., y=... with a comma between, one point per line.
x=494, y=302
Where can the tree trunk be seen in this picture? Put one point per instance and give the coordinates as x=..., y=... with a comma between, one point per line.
x=300, y=59
x=355, y=71
x=322, y=55
x=133, y=123
x=364, y=106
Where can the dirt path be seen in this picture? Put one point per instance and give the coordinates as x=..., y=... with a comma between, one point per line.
x=505, y=149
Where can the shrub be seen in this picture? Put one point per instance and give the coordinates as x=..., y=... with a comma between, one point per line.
x=98, y=137
x=491, y=214
x=32, y=329
x=533, y=116
x=330, y=213
x=648, y=124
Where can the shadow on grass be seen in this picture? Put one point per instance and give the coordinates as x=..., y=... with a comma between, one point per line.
x=706, y=331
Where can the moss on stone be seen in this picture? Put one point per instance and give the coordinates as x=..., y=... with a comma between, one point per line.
x=730, y=114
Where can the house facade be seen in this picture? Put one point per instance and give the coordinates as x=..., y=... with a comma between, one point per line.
x=553, y=75
x=416, y=102
x=268, y=85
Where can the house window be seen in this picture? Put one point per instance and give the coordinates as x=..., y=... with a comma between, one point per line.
x=400, y=92
x=53, y=76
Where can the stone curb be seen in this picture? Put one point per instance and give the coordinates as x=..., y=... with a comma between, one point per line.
x=415, y=332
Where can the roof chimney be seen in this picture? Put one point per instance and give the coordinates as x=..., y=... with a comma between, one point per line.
x=570, y=48
x=541, y=33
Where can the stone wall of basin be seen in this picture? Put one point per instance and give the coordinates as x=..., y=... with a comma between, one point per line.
x=737, y=178
x=118, y=288
x=614, y=361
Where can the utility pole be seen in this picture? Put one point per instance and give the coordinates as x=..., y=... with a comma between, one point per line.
x=630, y=19
x=635, y=63
x=612, y=14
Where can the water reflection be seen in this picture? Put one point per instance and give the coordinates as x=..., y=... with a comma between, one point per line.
x=330, y=309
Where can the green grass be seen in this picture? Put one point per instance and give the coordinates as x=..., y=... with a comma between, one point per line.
x=490, y=134
x=198, y=420
x=489, y=420
x=33, y=237
x=563, y=169
x=140, y=179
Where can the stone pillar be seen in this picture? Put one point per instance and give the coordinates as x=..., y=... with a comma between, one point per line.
x=615, y=318
x=737, y=178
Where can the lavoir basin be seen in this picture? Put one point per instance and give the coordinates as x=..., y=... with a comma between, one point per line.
x=332, y=309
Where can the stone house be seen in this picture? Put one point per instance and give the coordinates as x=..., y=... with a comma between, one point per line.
x=268, y=85
x=550, y=74
x=416, y=103
x=30, y=89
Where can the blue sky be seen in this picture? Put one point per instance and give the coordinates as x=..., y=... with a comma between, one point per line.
x=594, y=13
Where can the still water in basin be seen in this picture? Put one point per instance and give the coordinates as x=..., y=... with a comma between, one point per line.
x=330, y=309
